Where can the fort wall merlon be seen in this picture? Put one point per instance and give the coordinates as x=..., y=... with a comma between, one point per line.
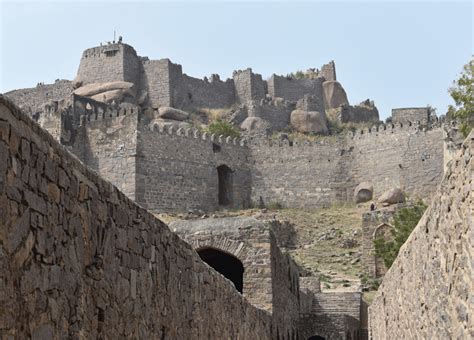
x=107, y=266
x=427, y=292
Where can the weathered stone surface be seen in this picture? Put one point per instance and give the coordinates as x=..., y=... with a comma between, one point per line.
x=309, y=121
x=95, y=89
x=363, y=192
x=334, y=94
x=392, y=196
x=254, y=124
x=172, y=113
x=427, y=293
x=71, y=285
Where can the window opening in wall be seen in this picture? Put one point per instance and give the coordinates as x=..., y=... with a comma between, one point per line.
x=216, y=147
x=225, y=180
x=226, y=264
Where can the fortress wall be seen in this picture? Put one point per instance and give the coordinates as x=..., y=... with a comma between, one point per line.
x=113, y=62
x=108, y=145
x=81, y=260
x=32, y=100
x=248, y=86
x=328, y=71
x=197, y=93
x=300, y=175
x=427, y=293
x=157, y=81
x=318, y=174
x=294, y=89
x=412, y=114
x=399, y=156
x=177, y=171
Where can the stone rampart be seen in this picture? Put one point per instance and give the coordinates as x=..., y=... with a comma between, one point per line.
x=111, y=62
x=81, y=260
x=293, y=89
x=317, y=174
x=248, y=86
x=178, y=170
x=428, y=291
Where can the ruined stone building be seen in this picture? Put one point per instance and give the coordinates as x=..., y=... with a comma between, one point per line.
x=84, y=256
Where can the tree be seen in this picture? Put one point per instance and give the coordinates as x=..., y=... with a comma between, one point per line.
x=404, y=221
x=462, y=93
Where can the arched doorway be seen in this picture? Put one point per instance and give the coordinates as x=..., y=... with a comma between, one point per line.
x=316, y=337
x=224, y=174
x=226, y=264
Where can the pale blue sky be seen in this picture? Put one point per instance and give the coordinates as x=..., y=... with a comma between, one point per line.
x=399, y=54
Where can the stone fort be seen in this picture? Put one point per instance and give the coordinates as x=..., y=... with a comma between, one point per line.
x=87, y=164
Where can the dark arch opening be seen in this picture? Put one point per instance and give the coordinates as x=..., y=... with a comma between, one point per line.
x=224, y=174
x=316, y=337
x=226, y=264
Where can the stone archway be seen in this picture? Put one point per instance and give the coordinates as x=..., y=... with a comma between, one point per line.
x=382, y=231
x=226, y=264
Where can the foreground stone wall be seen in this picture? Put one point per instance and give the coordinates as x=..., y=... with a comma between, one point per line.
x=428, y=291
x=80, y=260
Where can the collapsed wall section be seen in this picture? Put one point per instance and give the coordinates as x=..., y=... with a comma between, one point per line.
x=427, y=293
x=177, y=170
x=108, y=268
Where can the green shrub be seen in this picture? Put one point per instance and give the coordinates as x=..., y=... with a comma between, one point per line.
x=404, y=221
x=275, y=205
x=220, y=127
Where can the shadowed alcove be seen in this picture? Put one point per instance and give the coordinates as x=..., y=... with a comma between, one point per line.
x=224, y=174
x=226, y=264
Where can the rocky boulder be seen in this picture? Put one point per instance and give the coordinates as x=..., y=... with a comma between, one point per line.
x=392, y=196
x=309, y=121
x=254, y=124
x=166, y=123
x=334, y=94
x=363, y=192
x=90, y=90
x=166, y=112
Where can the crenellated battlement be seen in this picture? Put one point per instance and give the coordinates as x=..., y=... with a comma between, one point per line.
x=198, y=135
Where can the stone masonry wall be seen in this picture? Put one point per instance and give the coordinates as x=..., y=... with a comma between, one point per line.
x=428, y=291
x=294, y=89
x=412, y=114
x=156, y=79
x=177, y=171
x=112, y=62
x=80, y=260
x=248, y=86
x=317, y=174
x=109, y=146
x=270, y=279
x=32, y=100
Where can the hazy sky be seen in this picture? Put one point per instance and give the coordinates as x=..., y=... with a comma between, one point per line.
x=399, y=54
